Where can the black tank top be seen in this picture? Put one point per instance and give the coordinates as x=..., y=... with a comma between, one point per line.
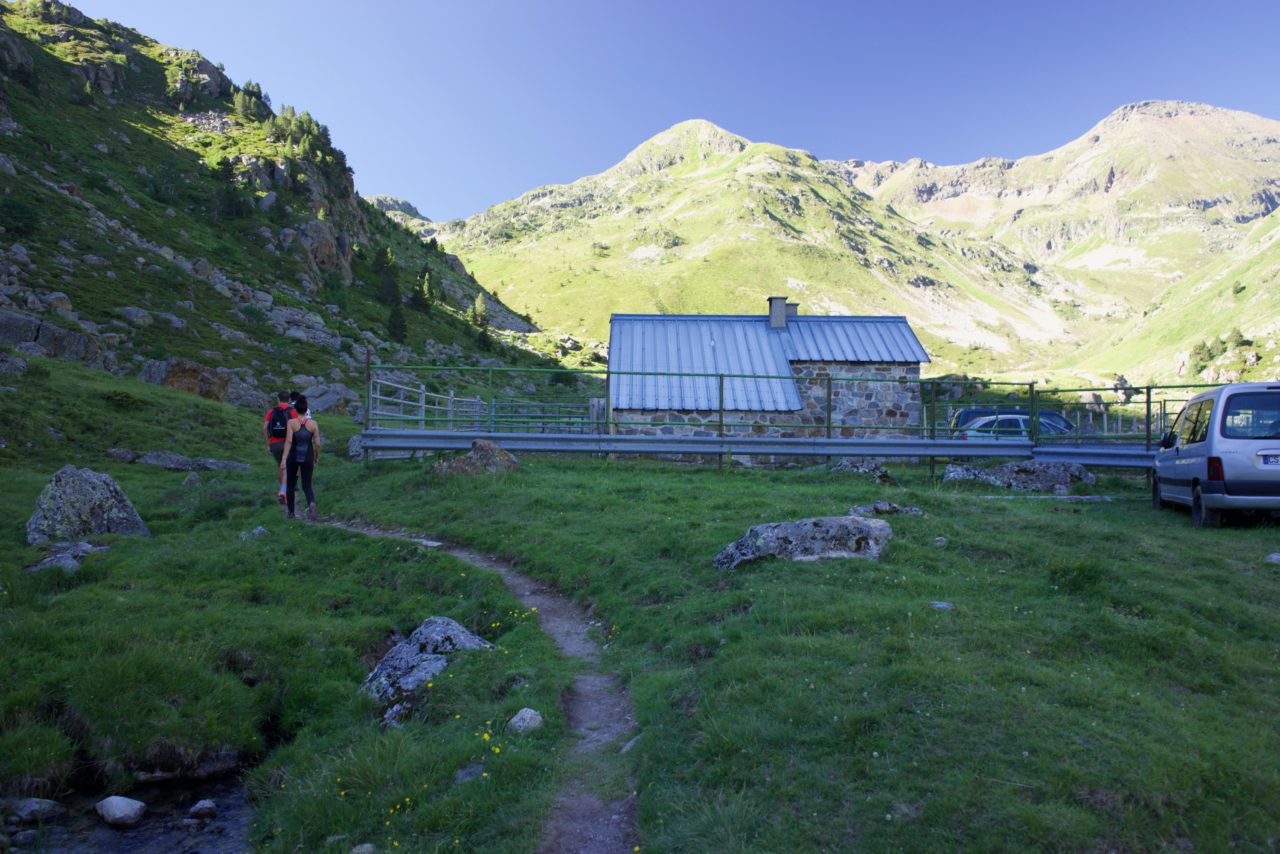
x=301, y=445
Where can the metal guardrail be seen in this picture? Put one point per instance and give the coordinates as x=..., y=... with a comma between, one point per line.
x=445, y=440
x=1118, y=456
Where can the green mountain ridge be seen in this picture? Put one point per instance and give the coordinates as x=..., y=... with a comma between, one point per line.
x=1078, y=260
x=160, y=220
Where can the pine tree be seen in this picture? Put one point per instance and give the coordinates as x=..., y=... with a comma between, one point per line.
x=397, y=329
x=478, y=314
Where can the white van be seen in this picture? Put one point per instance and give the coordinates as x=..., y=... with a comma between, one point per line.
x=1223, y=453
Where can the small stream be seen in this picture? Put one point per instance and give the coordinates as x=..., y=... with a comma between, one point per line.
x=166, y=828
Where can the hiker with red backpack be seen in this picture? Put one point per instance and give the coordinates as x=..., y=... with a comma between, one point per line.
x=301, y=453
x=275, y=429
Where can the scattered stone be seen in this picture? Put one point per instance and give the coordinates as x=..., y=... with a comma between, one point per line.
x=367, y=847
x=942, y=606
x=66, y=557
x=205, y=464
x=136, y=316
x=859, y=465
x=1274, y=557
x=123, y=455
x=186, y=375
x=203, y=809
x=33, y=810
x=254, y=534
x=413, y=662
x=884, y=508
x=168, y=460
x=524, y=720
x=485, y=457
x=808, y=540
x=77, y=502
x=467, y=773
x=12, y=366
x=355, y=448
x=191, y=480
x=119, y=811
x=331, y=397
x=1027, y=475
x=26, y=837
x=940, y=542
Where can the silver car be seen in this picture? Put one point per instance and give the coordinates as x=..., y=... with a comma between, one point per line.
x=1223, y=453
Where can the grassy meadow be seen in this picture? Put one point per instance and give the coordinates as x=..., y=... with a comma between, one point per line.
x=1106, y=680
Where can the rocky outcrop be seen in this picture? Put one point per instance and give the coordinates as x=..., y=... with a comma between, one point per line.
x=860, y=465
x=35, y=336
x=15, y=62
x=485, y=457
x=808, y=540
x=80, y=502
x=409, y=665
x=186, y=375
x=1028, y=475
x=195, y=77
x=302, y=325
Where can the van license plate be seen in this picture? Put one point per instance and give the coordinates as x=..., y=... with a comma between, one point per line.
x=1271, y=459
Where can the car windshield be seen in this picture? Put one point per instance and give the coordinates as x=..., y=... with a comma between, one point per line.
x=1252, y=415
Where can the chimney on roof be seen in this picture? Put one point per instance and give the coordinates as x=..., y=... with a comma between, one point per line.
x=793, y=309
x=777, y=312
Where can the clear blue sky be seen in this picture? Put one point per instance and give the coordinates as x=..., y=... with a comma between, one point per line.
x=456, y=106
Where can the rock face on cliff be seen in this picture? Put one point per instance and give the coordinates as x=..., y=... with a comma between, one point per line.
x=80, y=502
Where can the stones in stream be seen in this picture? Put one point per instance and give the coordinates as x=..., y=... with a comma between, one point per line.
x=119, y=811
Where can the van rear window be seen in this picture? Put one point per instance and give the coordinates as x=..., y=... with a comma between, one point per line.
x=1252, y=415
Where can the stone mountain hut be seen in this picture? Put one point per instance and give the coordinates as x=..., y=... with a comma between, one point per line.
x=777, y=374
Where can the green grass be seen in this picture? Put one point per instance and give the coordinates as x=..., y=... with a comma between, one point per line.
x=1108, y=678
x=161, y=652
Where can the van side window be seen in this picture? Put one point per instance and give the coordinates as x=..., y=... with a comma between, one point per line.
x=1187, y=423
x=1201, y=431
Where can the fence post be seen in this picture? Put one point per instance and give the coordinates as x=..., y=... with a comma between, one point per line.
x=931, y=404
x=449, y=411
x=491, y=418
x=1035, y=415
x=721, y=429
x=828, y=407
x=1148, y=444
x=368, y=409
x=422, y=407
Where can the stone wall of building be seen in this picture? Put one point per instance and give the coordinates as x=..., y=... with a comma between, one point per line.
x=878, y=403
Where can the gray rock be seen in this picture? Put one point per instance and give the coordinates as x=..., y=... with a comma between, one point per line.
x=78, y=502
x=331, y=397
x=203, y=809
x=206, y=464
x=355, y=448
x=168, y=460
x=12, y=366
x=524, y=720
x=808, y=540
x=940, y=542
x=66, y=557
x=884, y=508
x=57, y=301
x=254, y=534
x=942, y=606
x=365, y=848
x=23, y=838
x=467, y=773
x=192, y=480
x=860, y=465
x=123, y=455
x=1024, y=475
x=119, y=811
x=33, y=810
x=414, y=661
x=268, y=201
x=485, y=457
x=1274, y=557
x=136, y=316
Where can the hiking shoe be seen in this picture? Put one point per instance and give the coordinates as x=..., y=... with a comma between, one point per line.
x=290, y=516
x=311, y=511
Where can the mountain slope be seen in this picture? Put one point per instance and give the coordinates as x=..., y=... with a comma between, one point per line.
x=700, y=220
x=152, y=210
x=1047, y=262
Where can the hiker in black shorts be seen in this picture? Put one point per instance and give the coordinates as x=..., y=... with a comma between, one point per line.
x=301, y=453
x=275, y=429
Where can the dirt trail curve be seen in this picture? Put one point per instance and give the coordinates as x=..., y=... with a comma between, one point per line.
x=597, y=708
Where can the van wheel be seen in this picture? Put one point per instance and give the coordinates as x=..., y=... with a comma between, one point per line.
x=1201, y=516
x=1157, y=503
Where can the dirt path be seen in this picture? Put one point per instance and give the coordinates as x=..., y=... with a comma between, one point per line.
x=597, y=708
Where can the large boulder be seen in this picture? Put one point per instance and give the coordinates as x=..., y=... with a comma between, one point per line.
x=12, y=366
x=410, y=664
x=168, y=460
x=330, y=397
x=1026, y=475
x=80, y=502
x=33, y=810
x=808, y=540
x=186, y=375
x=485, y=457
